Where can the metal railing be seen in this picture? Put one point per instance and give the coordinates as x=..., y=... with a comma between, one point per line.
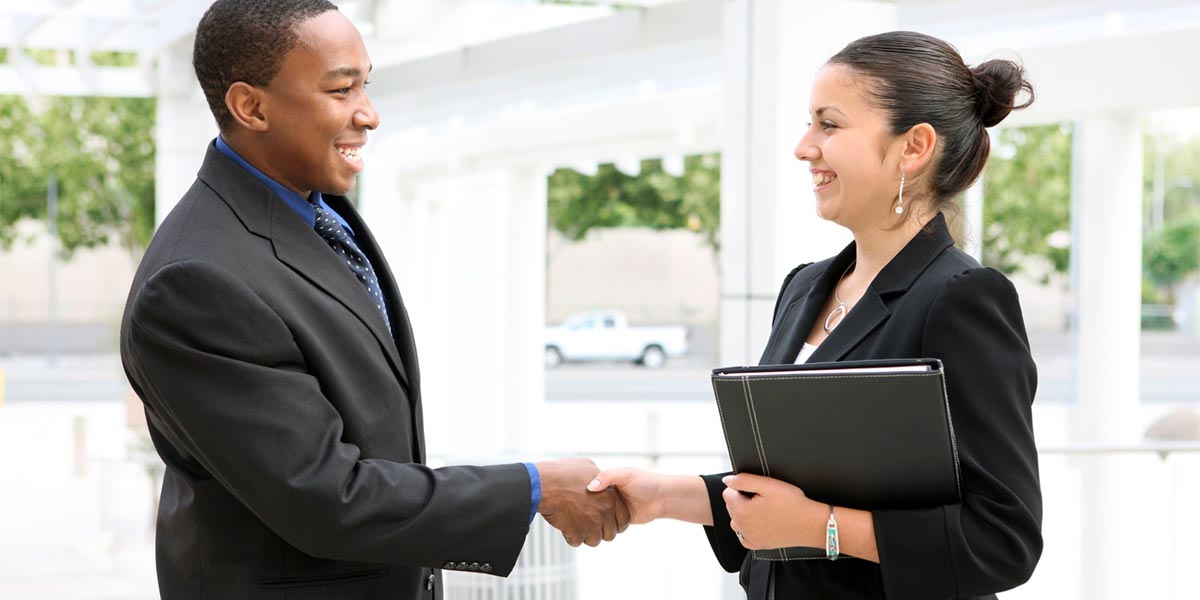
x=549, y=569
x=1059, y=575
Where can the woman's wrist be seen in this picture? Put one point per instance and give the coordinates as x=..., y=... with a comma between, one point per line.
x=683, y=498
x=812, y=524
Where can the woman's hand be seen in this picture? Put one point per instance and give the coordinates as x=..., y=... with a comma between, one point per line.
x=650, y=496
x=778, y=515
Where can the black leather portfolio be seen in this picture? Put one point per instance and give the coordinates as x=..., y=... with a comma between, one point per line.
x=860, y=434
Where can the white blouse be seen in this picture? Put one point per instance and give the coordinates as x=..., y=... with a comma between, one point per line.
x=806, y=352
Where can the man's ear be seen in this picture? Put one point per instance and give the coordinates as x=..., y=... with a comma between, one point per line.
x=920, y=142
x=245, y=103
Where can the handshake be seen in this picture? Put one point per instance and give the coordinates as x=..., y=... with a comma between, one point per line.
x=583, y=516
x=589, y=506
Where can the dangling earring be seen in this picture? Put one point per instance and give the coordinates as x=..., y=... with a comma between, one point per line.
x=900, y=202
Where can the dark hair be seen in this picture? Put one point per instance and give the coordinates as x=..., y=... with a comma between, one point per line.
x=246, y=40
x=918, y=78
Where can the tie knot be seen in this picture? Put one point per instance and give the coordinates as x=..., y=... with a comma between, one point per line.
x=327, y=226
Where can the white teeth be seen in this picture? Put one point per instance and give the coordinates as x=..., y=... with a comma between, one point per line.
x=348, y=152
x=822, y=178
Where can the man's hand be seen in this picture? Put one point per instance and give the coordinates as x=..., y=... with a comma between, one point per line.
x=583, y=517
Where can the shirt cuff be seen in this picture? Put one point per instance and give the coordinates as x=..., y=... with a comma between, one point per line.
x=535, y=487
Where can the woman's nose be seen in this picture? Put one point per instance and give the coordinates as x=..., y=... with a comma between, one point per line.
x=806, y=149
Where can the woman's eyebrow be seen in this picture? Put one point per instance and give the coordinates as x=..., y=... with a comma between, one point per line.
x=823, y=109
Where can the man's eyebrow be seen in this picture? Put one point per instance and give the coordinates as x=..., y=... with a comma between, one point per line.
x=351, y=72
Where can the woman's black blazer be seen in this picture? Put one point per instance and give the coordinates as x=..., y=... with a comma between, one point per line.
x=930, y=301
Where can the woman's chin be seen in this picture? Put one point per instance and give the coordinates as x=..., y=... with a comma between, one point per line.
x=826, y=212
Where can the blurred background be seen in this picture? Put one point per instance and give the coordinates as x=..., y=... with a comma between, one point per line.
x=597, y=201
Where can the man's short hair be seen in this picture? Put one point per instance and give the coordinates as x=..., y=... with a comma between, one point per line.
x=246, y=40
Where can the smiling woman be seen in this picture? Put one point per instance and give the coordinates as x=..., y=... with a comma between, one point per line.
x=898, y=131
x=936, y=89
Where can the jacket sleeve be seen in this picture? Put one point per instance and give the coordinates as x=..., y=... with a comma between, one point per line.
x=729, y=551
x=787, y=281
x=992, y=540
x=725, y=545
x=225, y=380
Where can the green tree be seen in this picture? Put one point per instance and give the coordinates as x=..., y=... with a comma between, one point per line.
x=19, y=182
x=1171, y=226
x=1170, y=178
x=656, y=199
x=1172, y=253
x=100, y=151
x=1027, y=198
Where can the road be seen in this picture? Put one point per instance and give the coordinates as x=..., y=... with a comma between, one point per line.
x=1170, y=374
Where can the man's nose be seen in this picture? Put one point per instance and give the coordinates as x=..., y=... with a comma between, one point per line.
x=366, y=116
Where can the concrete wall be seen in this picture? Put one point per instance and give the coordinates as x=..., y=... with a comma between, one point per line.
x=91, y=292
x=653, y=276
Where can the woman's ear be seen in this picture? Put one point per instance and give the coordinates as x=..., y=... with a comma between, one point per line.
x=920, y=142
x=245, y=104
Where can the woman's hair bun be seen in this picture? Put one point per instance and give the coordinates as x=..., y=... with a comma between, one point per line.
x=997, y=85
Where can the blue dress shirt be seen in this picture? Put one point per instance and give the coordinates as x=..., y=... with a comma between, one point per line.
x=305, y=208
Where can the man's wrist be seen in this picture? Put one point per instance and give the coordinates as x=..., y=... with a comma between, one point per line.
x=535, y=490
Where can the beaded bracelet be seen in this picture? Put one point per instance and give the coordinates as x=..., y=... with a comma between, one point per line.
x=831, y=537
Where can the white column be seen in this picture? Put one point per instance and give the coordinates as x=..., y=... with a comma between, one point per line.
x=468, y=252
x=525, y=310
x=772, y=51
x=1107, y=275
x=973, y=213
x=183, y=127
x=973, y=205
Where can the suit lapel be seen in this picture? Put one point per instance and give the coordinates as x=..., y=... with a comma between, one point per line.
x=300, y=248
x=405, y=342
x=868, y=313
x=297, y=245
x=798, y=318
x=871, y=311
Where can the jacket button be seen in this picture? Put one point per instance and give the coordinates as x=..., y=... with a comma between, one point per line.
x=462, y=566
x=473, y=567
x=449, y=565
x=429, y=582
x=485, y=567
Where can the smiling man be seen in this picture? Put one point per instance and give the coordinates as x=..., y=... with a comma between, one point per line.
x=267, y=340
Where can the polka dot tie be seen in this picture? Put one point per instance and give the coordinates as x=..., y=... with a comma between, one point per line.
x=331, y=231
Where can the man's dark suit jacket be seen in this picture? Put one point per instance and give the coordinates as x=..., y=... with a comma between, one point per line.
x=289, y=418
x=930, y=301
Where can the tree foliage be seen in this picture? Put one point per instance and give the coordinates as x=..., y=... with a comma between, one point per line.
x=1027, y=205
x=100, y=151
x=1171, y=226
x=579, y=203
x=1027, y=199
x=1173, y=167
x=1173, y=252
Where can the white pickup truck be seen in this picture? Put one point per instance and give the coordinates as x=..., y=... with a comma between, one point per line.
x=606, y=335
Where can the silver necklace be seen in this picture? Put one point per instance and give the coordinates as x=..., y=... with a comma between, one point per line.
x=840, y=310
